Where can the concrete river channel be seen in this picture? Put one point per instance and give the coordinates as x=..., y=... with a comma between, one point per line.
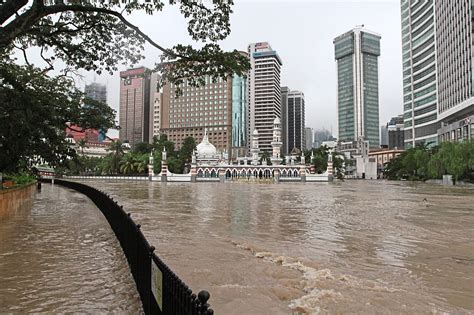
x=360, y=247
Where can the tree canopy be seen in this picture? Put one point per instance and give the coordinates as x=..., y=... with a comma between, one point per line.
x=97, y=36
x=36, y=103
x=34, y=111
x=421, y=162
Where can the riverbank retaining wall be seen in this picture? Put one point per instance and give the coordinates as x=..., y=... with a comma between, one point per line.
x=13, y=199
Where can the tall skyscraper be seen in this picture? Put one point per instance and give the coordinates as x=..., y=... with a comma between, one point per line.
x=419, y=72
x=239, y=116
x=356, y=53
x=320, y=136
x=134, y=113
x=296, y=121
x=309, y=140
x=97, y=92
x=264, y=92
x=383, y=135
x=455, y=62
x=437, y=38
x=395, y=132
x=197, y=108
x=284, y=119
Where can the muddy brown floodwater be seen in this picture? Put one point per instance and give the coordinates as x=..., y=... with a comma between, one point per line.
x=360, y=247
x=354, y=247
x=59, y=255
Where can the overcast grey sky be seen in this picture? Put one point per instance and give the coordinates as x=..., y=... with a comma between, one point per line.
x=302, y=33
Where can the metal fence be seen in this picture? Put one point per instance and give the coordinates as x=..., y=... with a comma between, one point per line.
x=161, y=291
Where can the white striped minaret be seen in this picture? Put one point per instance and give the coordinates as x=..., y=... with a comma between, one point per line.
x=151, y=172
x=330, y=168
x=164, y=166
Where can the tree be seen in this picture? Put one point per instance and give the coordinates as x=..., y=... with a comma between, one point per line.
x=94, y=36
x=127, y=164
x=320, y=159
x=142, y=147
x=159, y=143
x=117, y=152
x=189, y=145
x=34, y=112
x=425, y=162
x=97, y=36
x=141, y=164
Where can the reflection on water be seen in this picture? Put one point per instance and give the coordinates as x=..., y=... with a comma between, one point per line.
x=354, y=247
x=60, y=256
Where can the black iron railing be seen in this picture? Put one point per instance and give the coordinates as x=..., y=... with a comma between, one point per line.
x=161, y=291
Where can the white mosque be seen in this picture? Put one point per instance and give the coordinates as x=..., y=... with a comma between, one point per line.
x=209, y=165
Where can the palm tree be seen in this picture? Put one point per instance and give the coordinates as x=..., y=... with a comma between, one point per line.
x=117, y=151
x=128, y=164
x=82, y=143
x=141, y=163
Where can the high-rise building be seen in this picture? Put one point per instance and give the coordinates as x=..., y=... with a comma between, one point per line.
x=395, y=131
x=97, y=92
x=383, y=136
x=321, y=136
x=284, y=120
x=197, y=108
x=296, y=121
x=455, y=73
x=309, y=140
x=437, y=38
x=356, y=53
x=134, y=113
x=263, y=92
x=239, y=140
x=419, y=72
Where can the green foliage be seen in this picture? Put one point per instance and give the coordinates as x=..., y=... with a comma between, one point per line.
x=22, y=178
x=422, y=162
x=134, y=163
x=34, y=110
x=96, y=36
x=142, y=147
x=162, y=142
x=338, y=165
x=320, y=159
x=116, y=149
x=93, y=36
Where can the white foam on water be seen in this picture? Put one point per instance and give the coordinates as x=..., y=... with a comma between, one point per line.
x=310, y=302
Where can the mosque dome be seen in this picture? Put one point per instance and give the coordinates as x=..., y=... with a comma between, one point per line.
x=205, y=148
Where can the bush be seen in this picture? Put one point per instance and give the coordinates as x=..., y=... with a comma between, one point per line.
x=19, y=179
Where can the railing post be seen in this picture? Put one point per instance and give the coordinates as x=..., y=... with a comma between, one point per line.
x=203, y=307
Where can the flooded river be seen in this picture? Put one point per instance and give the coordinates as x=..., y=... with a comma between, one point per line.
x=353, y=247
x=360, y=247
x=59, y=255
